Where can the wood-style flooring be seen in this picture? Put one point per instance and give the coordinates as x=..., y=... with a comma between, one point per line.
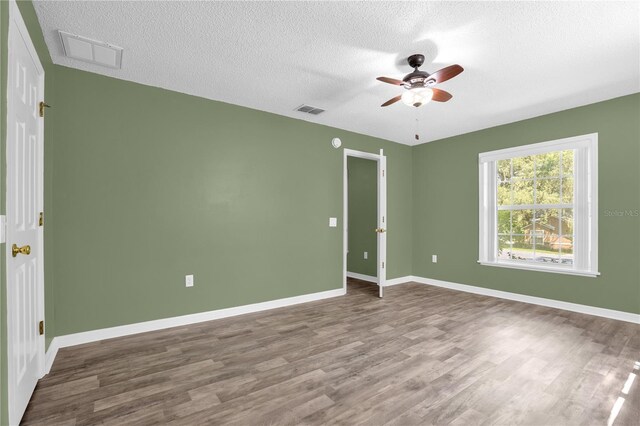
x=422, y=355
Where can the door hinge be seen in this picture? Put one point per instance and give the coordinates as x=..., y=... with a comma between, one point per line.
x=41, y=220
x=41, y=327
x=43, y=105
x=383, y=173
x=383, y=264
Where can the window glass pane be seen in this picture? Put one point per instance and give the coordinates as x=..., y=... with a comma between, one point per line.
x=567, y=221
x=566, y=249
x=567, y=190
x=548, y=220
x=547, y=191
x=522, y=191
x=548, y=165
x=503, y=168
x=523, y=167
x=522, y=248
x=504, y=247
x=547, y=231
x=547, y=254
x=504, y=193
x=504, y=221
x=567, y=162
x=521, y=220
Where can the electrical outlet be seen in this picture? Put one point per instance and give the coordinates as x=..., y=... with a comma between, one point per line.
x=333, y=222
x=366, y=255
x=188, y=280
x=434, y=258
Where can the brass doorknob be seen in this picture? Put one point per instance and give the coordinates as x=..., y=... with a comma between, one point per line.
x=381, y=230
x=15, y=250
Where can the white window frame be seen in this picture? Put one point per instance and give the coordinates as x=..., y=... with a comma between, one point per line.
x=585, y=205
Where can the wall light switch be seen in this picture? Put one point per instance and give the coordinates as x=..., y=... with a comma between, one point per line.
x=366, y=255
x=434, y=258
x=188, y=280
x=333, y=222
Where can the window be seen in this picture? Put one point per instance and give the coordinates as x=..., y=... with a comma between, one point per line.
x=538, y=206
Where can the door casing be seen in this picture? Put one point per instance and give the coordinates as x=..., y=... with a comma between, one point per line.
x=381, y=267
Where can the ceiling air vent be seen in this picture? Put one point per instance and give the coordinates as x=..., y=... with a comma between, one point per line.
x=92, y=51
x=309, y=109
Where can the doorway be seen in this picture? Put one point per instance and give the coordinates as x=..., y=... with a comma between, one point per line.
x=365, y=222
x=24, y=236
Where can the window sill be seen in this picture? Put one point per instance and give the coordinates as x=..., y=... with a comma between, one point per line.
x=541, y=268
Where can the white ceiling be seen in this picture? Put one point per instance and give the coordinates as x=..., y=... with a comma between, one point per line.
x=521, y=59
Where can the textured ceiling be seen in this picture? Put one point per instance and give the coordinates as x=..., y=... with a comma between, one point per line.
x=521, y=59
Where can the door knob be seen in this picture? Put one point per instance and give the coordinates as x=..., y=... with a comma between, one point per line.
x=15, y=250
x=380, y=230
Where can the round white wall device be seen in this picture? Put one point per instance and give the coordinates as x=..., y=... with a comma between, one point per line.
x=336, y=142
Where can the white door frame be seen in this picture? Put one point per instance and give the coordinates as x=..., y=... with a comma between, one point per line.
x=17, y=26
x=381, y=268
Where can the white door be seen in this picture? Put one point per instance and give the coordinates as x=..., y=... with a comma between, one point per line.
x=382, y=223
x=25, y=307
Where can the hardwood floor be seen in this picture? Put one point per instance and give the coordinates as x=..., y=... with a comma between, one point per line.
x=423, y=355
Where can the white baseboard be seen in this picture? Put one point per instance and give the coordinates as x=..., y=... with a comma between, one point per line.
x=401, y=280
x=558, y=304
x=362, y=277
x=50, y=355
x=369, y=278
x=142, y=327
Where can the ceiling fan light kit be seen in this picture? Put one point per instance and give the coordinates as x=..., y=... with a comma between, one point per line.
x=419, y=85
x=417, y=97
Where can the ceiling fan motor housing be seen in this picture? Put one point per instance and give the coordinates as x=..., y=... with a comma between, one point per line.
x=417, y=78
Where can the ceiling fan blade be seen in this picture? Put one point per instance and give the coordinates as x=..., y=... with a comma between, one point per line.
x=440, y=95
x=446, y=73
x=390, y=81
x=392, y=101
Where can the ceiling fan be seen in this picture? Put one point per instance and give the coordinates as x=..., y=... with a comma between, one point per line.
x=419, y=84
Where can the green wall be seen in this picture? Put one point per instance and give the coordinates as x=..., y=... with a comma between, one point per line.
x=445, y=222
x=363, y=215
x=151, y=185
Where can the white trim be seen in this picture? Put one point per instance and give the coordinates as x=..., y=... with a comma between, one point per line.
x=582, y=141
x=51, y=355
x=361, y=154
x=541, y=301
x=540, y=268
x=399, y=280
x=382, y=220
x=551, y=303
x=389, y=282
x=535, y=206
x=160, y=324
x=362, y=277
